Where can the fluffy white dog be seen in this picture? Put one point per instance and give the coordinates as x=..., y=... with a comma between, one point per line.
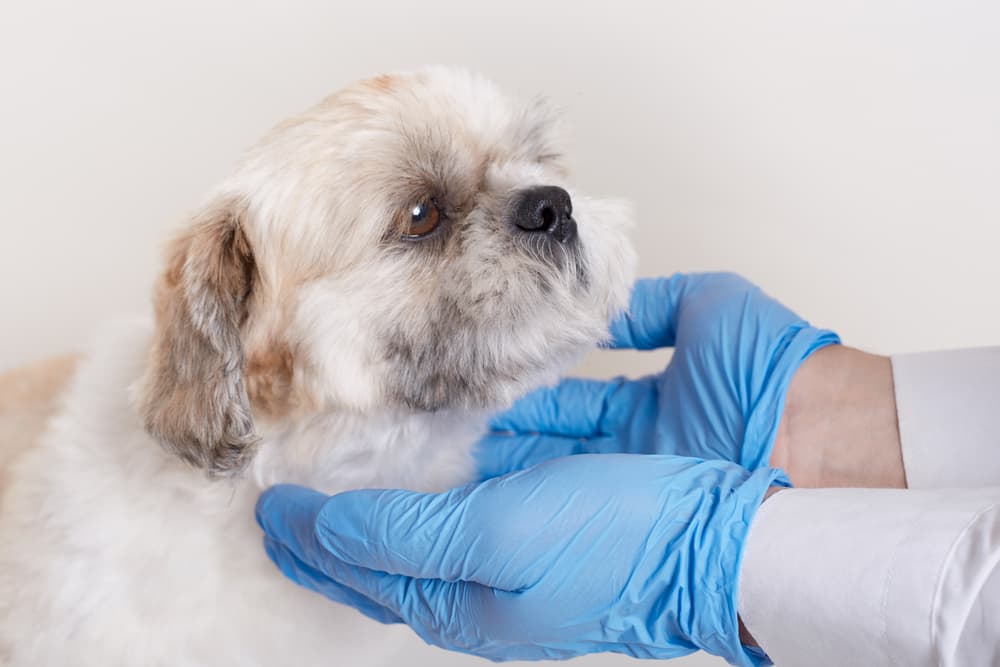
x=380, y=274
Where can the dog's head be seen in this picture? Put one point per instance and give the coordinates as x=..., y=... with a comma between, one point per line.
x=408, y=243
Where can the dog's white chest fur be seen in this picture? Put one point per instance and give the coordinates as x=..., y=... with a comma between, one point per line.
x=113, y=552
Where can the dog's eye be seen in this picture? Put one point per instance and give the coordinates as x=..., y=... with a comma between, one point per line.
x=424, y=219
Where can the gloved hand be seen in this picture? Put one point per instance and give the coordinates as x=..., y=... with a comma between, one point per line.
x=582, y=554
x=720, y=397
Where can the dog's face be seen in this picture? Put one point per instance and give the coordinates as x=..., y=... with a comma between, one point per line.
x=408, y=243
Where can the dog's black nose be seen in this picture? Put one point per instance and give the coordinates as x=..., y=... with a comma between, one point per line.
x=545, y=209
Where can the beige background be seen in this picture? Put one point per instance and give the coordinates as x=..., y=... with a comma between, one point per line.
x=844, y=155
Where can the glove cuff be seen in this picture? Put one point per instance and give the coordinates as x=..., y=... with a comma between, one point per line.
x=789, y=351
x=736, y=512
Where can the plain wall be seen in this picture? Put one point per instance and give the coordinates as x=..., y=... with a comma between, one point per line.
x=844, y=155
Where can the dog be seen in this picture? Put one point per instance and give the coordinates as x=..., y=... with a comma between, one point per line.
x=379, y=276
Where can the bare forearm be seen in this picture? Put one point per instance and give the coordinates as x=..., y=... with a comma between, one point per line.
x=839, y=426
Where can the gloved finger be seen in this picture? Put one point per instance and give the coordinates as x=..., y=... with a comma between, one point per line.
x=420, y=603
x=651, y=319
x=308, y=577
x=574, y=408
x=421, y=535
x=287, y=514
x=445, y=614
x=291, y=516
x=501, y=454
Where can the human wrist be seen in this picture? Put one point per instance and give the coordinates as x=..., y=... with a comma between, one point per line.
x=839, y=424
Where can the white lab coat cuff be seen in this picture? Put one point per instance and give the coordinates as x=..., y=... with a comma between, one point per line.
x=874, y=577
x=948, y=405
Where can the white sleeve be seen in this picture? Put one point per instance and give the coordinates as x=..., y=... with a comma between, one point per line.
x=948, y=405
x=907, y=578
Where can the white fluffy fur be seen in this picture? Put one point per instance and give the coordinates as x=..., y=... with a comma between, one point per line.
x=115, y=552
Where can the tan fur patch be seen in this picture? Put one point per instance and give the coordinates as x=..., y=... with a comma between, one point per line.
x=269, y=373
x=29, y=397
x=383, y=83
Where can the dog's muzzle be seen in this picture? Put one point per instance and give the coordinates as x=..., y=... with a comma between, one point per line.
x=545, y=212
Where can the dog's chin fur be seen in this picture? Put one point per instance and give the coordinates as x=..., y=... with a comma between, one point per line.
x=297, y=341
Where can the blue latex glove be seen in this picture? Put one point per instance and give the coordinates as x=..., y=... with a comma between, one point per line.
x=582, y=554
x=721, y=396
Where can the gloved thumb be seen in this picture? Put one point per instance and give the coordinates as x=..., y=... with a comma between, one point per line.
x=651, y=319
x=574, y=408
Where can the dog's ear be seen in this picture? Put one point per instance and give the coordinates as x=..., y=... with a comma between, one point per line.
x=194, y=398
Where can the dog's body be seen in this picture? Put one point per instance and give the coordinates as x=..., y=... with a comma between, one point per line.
x=115, y=552
x=300, y=337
